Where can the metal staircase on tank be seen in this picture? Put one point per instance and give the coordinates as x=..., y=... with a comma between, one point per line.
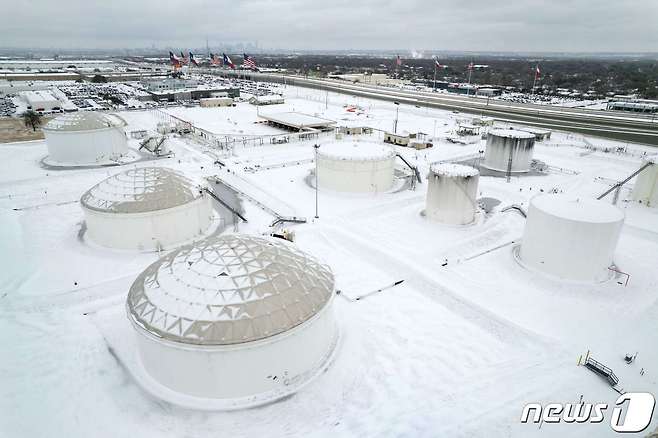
x=413, y=169
x=602, y=370
x=618, y=186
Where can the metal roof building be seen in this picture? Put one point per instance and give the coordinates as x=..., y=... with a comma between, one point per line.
x=85, y=138
x=232, y=321
x=146, y=209
x=294, y=121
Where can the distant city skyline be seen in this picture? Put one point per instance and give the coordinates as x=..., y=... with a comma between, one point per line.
x=420, y=25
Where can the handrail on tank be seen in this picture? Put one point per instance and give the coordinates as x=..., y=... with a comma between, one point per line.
x=413, y=169
x=621, y=183
x=517, y=208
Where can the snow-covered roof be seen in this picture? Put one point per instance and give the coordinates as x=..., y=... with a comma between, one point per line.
x=84, y=121
x=577, y=209
x=535, y=130
x=355, y=150
x=452, y=169
x=34, y=97
x=140, y=190
x=229, y=289
x=511, y=133
x=269, y=98
x=297, y=120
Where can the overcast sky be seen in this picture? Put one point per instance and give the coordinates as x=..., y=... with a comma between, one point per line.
x=478, y=25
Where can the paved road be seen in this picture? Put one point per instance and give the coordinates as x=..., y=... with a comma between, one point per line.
x=618, y=126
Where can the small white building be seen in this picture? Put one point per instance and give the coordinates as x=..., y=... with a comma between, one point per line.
x=452, y=193
x=571, y=239
x=85, y=138
x=148, y=208
x=355, y=166
x=41, y=100
x=232, y=321
x=268, y=99
x=213, y=102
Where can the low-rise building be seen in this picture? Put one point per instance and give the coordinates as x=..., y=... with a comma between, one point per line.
x=268, y=99
x=213, y=102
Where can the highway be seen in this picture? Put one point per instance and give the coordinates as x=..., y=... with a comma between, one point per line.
x=612, y=125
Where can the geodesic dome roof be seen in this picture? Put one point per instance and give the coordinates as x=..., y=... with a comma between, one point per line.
x=84, y=121
x=229, y=289
x=140, y=190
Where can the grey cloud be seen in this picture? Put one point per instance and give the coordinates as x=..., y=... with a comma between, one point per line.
x=514, y=25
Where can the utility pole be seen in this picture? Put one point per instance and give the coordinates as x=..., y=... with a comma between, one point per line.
x=316, y=146
x=435, y=75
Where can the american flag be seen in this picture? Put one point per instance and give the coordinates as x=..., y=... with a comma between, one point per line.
x=470, y=66
x=398, y=61
x=214, y=59
x=184, y=58
x=249, y=62
x=537, y=72
x=175, y=61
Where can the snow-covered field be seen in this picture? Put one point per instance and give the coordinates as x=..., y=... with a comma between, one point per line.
x=457, y=350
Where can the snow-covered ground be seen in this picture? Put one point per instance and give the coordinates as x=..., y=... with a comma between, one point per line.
x=457, y=350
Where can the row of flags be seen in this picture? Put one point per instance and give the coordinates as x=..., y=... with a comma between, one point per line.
x=178, y=61
x=250, y=63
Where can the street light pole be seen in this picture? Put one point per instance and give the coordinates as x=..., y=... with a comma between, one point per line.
x=316, y=146
x=397, y=110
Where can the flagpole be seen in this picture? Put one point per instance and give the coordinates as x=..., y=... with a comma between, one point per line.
x=534, y=82
x=470, y=71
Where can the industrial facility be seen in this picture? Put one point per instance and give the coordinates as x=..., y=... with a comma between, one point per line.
x=85, y=138
x=451, y=193
x=355, y=166
x=317, y=258
x=571, y=238
x=148, y=208
x=509, y=150
x=233, y=321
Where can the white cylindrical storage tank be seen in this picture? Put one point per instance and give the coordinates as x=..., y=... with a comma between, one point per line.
x=356, y=166
x=146, y=208
x=569, y=238
x=451, y=193
x=85, y=138
x=645, y=189
x=503, y=144
x=232, y=321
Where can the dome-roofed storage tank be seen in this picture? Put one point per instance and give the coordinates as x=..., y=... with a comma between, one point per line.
x=85, y=138
x=147, y=208
x=355, y=166
x=506, y=144
x=645, y=189
x=233, y=321
x=451, y=193
x=571, y=238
